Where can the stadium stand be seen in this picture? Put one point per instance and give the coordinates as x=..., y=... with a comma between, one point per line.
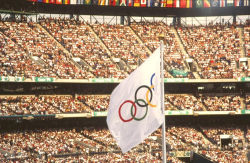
x=215, y=47
x=67, y=48
x=115, y=55
x=96, y=144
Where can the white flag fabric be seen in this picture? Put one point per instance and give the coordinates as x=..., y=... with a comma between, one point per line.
x=135, y=105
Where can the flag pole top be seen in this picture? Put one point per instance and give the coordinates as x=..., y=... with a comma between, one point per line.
x=162, y=38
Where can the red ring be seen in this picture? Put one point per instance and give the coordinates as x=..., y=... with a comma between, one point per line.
x=121, y=107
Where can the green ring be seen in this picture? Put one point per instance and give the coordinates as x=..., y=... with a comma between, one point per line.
x=131, y=110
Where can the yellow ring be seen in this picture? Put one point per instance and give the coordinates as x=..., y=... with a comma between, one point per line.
x=152, y=86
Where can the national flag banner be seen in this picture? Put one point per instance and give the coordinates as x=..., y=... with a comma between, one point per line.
x=123, y=2
x=87, y=2
x=163, y=3
x=116, y=3
x=135, y=105
x=156, y=3
x=207, y=3
x=73, y=2
x=143, y=3
x=199, y=3
x=66, y=2
x=100, y=2
x=111, y=2
x=189, y=4
x=241, y=2
x=52, y=1
x=130, y=2
x=246, y=2
x=238, y=2
x=215, y=3
x=45, y=1
x=150, y=3
x=176, y=3
x=93, y=2
x=230, y=3
x=80, y=2
x=136, y=3
x=183, y=3
x=222, y=3
x=170, y=3
x=58, y=1
x=39, y=0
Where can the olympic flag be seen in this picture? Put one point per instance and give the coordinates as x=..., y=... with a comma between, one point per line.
x=135, y=105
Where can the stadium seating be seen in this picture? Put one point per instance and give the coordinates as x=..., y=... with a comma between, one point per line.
x=113, y=51
x=215, y=48
x=96, y=144
x=48, y=49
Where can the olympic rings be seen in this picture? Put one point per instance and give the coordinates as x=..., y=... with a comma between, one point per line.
x=133, y=109
x=136, y=95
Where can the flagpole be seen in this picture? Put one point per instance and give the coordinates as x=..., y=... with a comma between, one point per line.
x=162, y=101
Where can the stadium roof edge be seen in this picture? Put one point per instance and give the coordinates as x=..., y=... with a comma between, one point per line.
x=18, y=6
x=139, y=11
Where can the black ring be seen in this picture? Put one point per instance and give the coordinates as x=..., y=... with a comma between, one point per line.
x=136, y=100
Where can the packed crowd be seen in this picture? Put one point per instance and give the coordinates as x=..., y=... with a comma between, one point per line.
x=248, y=134
x=113, y=51
x=223, y=103
x=246, y=34
x=150, y=34
x=14, y=60
x=186, y=101
x=56, y=104
x=95, y=144
x=42, y=105
x=215, y=48
x=236, y=147
x=95, y=102
x=81, y=42
x=122, y=43
x=248, y=102
x=34, y=41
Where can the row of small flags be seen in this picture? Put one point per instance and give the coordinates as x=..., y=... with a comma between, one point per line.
x=154, y=3
x=221, y=3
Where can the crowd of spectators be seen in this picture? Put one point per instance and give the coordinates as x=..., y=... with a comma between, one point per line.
x=185, y=101
x=62, y=145
x=246, y=33
x=150, y=33
x=41, y=105
x=56, y=104
x=81, y=42
x=95, y=102
x=19, y=41
x=216, y=49
x=236, y=149
x=248, y=134
x=95, y=144
x=35, y=42
x=247, y=102
x=222, y=103
x=113, y=51
x=122, y=43
x=14, y=60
